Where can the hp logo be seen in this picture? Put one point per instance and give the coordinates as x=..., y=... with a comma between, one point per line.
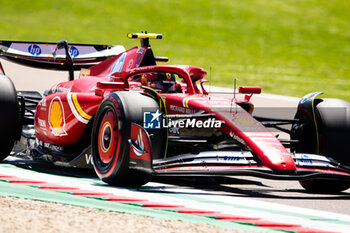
x=73, y=51
x=34, y=49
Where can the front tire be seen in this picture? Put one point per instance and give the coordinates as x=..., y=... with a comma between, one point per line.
x=325, y=132
x=9, y=117
x=110, y=134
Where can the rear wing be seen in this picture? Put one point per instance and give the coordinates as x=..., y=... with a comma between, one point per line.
x=60, y=56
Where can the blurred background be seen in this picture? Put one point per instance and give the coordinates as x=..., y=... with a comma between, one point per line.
x=289, y=47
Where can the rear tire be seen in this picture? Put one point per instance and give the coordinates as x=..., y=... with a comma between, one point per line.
x=110, y=134
x=9, y=117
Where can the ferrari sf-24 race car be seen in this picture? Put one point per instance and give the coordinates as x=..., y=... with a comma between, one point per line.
x=131, y=120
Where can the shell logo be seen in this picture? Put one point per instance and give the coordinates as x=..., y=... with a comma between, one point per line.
x=56, y=117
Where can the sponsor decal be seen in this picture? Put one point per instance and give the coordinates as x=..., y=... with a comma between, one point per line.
x=141, y=50
x=42, y=123
x=177, y=108
x=238, y=139
x=305, y=159
x=84, y=73
x=232, y=158
x=50, y=146
x=56, y=148
x=174, y=130
x=73, y=51
x=57, y=121
x=119, y=64
x=88, y=159
x=34, y=50
x=131, y=64
x=182, y=109
x=152, y=120
x=168, y=76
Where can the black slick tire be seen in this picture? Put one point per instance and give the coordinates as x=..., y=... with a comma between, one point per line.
x=110, y=134
x=9, y=117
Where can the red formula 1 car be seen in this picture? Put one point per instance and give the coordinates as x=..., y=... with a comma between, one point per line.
x=131, y=119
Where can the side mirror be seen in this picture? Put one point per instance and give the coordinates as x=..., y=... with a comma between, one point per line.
x=249, y=90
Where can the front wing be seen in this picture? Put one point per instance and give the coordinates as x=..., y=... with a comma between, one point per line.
x=235, y=163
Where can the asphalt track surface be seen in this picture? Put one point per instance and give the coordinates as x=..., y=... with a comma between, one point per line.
x=289, y=193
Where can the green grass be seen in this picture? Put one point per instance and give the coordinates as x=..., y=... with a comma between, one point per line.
x=288, y=47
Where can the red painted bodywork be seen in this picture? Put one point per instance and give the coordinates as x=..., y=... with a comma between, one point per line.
x=112, y=75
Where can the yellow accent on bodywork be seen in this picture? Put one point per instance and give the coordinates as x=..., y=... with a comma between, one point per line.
x=186, y=103
x=79, y=109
